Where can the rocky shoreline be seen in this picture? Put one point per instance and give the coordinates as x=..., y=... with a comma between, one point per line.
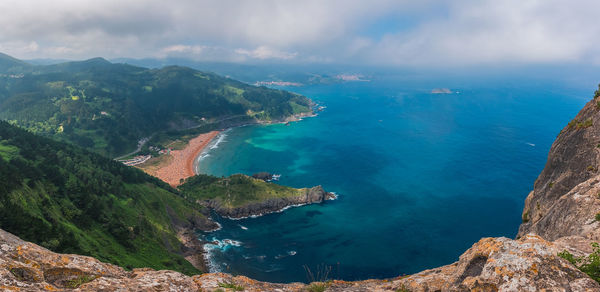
x=312, y=195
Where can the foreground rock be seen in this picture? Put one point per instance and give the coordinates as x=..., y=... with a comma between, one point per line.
x=307, y=196
x=492, y=264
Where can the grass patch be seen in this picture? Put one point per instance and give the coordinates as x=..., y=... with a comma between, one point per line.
x=233, y=286
x=588, y=264
x=155, y=163
x=75, y=283
x=588, y=123
x=298, y=108
x=578, y=125
x=319, y=278
x=526, y=217
x=236, y=190
x=317, y=287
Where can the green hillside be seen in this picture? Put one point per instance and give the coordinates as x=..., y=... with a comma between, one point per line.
x=10, y=65
x=108, y=107
x=236, y=190
x=73, y=201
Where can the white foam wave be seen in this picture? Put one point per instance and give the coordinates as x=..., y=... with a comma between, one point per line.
x=216, y=245
x=220, y=139
x=335, y=196
x=214, y=144
x=219, y=227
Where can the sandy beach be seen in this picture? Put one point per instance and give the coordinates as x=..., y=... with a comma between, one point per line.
x=181, y=166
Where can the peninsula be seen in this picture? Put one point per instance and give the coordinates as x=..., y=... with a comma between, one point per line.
x=240, y=196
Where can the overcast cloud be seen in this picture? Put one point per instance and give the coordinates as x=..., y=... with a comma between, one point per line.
x=367, y=32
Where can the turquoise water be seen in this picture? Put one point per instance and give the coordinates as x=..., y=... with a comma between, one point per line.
x=420, y=176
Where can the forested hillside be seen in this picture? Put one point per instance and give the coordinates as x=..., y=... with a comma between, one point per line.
x=108, y=107
x=71, y=200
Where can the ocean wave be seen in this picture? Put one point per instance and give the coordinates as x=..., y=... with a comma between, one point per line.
x=335, y=196
x=214, y=144
x=288, y=254
x=220, y=139
x=215, y=245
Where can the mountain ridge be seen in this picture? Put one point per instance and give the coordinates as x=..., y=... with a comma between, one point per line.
x=108, y=108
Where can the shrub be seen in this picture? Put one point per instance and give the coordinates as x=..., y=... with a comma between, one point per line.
x=589, y=265
x=588, y=123
x=232, y=286
x=526, y=217
x=317, y=287
x=597, y=217
x=75, y=283
x=573, y=123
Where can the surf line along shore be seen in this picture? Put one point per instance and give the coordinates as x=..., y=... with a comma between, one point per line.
x=181, y=166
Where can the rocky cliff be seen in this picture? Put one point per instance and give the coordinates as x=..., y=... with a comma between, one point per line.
x=492, y=264
x=563, y=202
x=307, y=196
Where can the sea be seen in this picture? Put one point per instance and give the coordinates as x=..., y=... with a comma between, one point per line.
x=420, y=177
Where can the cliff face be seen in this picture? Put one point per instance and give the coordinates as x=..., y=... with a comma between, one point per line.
x=309, y=196
x=565, y=198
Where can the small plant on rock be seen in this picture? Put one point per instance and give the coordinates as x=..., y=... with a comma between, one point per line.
x=233, y=286
x=589, y=265
x=75, y=283
x=317, y=287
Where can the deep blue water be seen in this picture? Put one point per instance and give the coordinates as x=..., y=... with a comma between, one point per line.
x=420, y=176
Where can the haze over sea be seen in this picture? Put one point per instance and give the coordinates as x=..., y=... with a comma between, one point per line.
x=420, y=176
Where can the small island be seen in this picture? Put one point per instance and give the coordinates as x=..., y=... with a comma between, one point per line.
x=441, y=91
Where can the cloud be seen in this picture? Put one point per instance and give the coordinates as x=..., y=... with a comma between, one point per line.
x=513, y=31
x=264, y=53
x=390, y=32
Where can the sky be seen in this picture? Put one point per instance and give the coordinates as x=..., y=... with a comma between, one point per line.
x=369, y=32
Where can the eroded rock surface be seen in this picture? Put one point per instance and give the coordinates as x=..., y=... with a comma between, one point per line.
x=573, y=159
x=492, y=264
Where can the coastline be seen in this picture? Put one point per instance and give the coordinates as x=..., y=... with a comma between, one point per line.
x=183, y=161
x=184, y=164
x=271, y=212
x=314, y=195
